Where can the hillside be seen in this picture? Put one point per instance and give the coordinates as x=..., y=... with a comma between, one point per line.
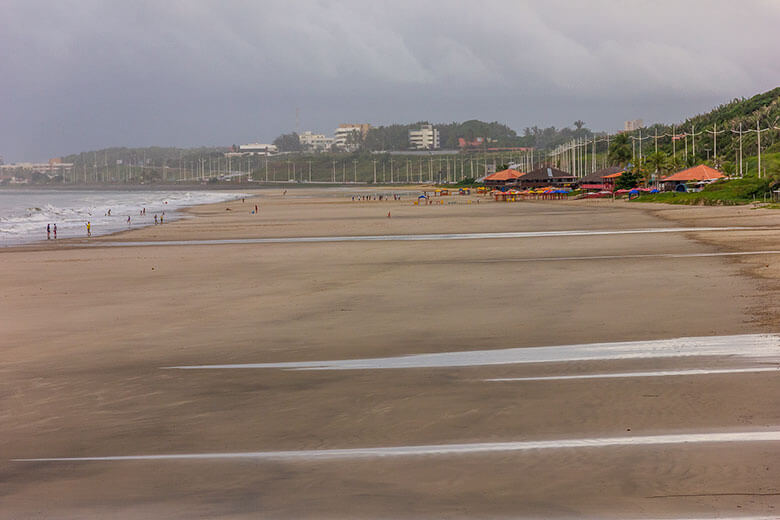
x=762, y=109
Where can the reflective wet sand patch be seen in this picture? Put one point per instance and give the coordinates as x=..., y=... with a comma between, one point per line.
x=655, y=373
x=447, y=449
x=748, y=346
x=422, y=237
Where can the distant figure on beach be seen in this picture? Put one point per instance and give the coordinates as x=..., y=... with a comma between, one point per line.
x=155, y=218
x=257, y=208
x=242, y=200
x=144, y=211
x=89, y=228
x=128, y=220
x=109, y=212
x=55, y=231
x=48, y=231
x=285, y=193
x=161, y=217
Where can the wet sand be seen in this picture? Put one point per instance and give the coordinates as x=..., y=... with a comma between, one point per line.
x=87, y=332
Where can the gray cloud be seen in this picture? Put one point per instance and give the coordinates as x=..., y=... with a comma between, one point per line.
x=86, y=74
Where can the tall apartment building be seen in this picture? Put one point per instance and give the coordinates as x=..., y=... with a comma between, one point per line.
x=634, y=124
x=426, y=138
x=346, y=132
x=317, y=142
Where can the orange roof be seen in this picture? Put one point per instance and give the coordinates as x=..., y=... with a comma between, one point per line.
x=505, y=175
x=613, y=176
x=697, y=173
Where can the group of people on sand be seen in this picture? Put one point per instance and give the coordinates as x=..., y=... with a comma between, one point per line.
x=375, y=197
x=51, y=229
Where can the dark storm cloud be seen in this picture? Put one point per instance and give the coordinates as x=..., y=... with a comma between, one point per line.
x=82, y=75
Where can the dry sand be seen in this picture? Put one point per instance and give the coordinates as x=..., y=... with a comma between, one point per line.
x=86, y=330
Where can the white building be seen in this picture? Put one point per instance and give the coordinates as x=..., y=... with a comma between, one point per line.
x=312, y=141
x=53, y=167
x=634, y=124
x=426, y=138
x=348, y=136
x=258, y=149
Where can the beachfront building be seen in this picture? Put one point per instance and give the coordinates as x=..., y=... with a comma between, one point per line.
x=603, y=179
x=692, y=179
x=503, y=178
x=53, y=167
x=477, y=142
x=315, y=142
x=349, y=136
x=426, y=138
x=546, y=176
x=258, y=149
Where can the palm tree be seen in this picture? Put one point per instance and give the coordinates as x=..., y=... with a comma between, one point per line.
x=619, y=150
x=676, y=163
x=657, y=162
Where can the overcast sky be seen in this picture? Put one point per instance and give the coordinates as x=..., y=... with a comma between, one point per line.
x=83, y=75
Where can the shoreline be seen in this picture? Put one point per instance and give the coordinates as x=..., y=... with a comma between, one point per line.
x=173, y=215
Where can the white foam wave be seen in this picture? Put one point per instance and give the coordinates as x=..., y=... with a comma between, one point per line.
x=24, y=214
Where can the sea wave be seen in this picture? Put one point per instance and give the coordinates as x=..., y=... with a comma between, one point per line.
x=24, y=214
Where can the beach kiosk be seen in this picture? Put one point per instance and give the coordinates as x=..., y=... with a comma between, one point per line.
x=692, y=179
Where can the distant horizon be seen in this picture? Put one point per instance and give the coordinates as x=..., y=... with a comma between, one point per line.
x=330, y=132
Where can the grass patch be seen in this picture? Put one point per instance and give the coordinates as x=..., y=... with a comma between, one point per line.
x=721, y=193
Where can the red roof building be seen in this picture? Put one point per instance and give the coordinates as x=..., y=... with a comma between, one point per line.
x=696, y=174
x=503, y=178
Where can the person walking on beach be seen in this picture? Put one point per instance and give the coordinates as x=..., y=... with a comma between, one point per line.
x=128, y=220
x=89, y=229
x=162, y=217
x=257, y=209
x=48, y=231
x=155, y=219
x=55, y=231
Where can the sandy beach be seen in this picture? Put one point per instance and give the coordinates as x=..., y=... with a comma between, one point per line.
x=89, y=329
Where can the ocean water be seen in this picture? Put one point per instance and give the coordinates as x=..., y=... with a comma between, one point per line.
x=24, y=214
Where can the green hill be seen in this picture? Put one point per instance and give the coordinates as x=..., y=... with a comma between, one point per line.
x=762, y=109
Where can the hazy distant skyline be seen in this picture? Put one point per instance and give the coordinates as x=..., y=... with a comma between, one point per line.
x=83, y=75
